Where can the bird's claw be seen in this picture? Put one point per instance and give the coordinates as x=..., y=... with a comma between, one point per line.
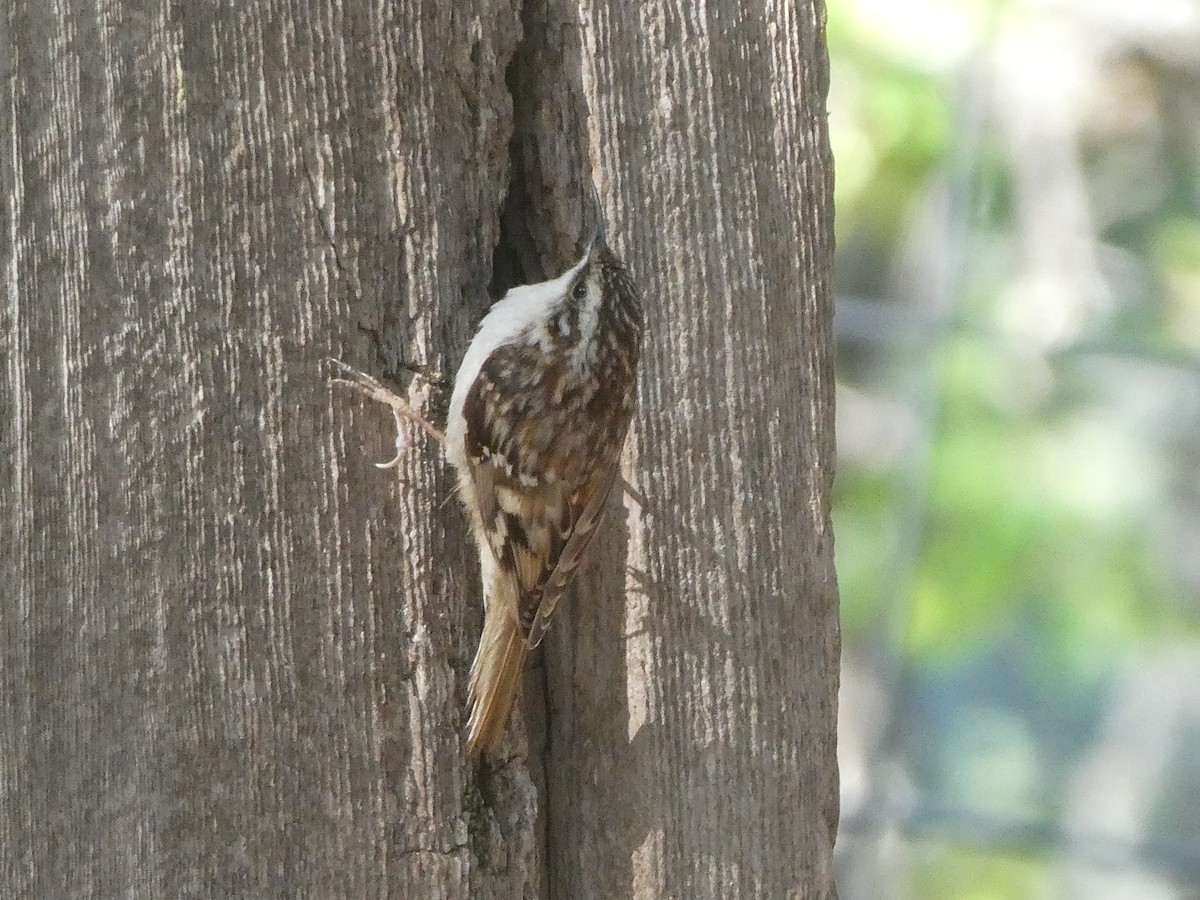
x=401, y=408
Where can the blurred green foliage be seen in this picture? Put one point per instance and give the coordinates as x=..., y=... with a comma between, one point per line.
x=965, y=873
x=890, y=127
x=1011, y=551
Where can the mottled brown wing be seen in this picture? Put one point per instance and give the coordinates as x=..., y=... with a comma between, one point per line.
x=527, y=508
x=539, y=537
x=591, y=505
x=545, y=420
x=540, y=490
x=525, y=527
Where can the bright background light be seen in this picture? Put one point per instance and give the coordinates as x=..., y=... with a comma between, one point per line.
x=1017, y=508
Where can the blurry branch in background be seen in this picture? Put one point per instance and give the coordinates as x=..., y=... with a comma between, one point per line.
x=1156, y=353
x=1102, y=845
x=865, y=320
x=1018, y=409
x=1151, y=721
x=1176, y=860
x=925, y=284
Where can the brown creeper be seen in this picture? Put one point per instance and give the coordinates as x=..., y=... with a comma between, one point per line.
x=539, y=413
x=540, y=409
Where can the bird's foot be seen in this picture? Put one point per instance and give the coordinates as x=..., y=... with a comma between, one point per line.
x=401, y=408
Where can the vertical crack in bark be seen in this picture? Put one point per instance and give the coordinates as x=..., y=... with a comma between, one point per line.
x=507, y=268
x=540, y=229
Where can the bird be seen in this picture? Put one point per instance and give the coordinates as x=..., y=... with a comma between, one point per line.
x=540, y=408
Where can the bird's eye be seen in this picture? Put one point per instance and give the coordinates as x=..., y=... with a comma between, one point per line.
x=579, y=292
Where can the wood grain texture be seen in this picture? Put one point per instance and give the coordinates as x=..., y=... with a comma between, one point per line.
x=691, y=733
x=230, y=663
x=232, y=653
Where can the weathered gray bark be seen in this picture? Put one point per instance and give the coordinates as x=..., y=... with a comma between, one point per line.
x=232, y=653
x=691, y=745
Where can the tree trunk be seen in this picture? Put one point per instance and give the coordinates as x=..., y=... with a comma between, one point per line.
x=233, y=654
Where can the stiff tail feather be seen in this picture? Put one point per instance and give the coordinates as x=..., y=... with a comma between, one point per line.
x=495, y=675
